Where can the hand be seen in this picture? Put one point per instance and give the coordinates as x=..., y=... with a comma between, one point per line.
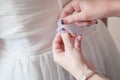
x=86, y=12
x=67, y=53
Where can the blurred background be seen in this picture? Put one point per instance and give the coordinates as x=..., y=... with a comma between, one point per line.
x=114, y=28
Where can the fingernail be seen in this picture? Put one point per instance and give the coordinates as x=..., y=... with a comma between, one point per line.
x=62, y=21
x=88, y=25
x=74, y=34
x=69, y=33
x=79, y=37
x=62, y=30
x=96, y=22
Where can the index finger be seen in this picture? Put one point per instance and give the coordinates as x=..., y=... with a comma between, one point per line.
x=57, y=43
x=67, y=10
x=73, y=6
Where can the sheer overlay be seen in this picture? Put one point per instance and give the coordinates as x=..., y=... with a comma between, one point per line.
x=27, y=28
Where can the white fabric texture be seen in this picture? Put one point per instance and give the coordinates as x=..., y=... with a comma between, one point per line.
x=27, y=28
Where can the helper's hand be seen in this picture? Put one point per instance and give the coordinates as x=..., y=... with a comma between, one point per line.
x=86, y=12
x=67, y=53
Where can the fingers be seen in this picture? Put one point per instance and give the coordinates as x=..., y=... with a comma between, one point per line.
x=64, y=41
x=70, y=8
x=67, y=10
x=68, y=44
x=57, y=43
x=75, y=18
x=74, y=13
x=78, y=42
x=86, y=23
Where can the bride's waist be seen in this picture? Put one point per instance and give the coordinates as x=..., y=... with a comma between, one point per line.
x=36, y=44
x=85, y=31
x=22, y=47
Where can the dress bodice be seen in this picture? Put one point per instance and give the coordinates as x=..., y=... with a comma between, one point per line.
x=27, y=28
x=30, y=25
x=20, y=18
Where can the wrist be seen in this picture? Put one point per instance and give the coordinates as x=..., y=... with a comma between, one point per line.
x=82, y=71
x=97, y=76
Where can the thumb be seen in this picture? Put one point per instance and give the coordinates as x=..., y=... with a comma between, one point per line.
x=66, y=37
x=78, y=17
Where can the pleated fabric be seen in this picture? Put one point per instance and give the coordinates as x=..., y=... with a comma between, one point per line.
x=27, y=28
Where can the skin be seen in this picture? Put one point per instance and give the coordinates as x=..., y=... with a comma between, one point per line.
x=67, y=53
x=66, y=50
x=86, y=12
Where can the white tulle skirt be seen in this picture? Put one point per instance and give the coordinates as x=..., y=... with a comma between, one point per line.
x=17, y=63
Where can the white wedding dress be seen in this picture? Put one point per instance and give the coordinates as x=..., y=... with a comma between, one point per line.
x=27, y=28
